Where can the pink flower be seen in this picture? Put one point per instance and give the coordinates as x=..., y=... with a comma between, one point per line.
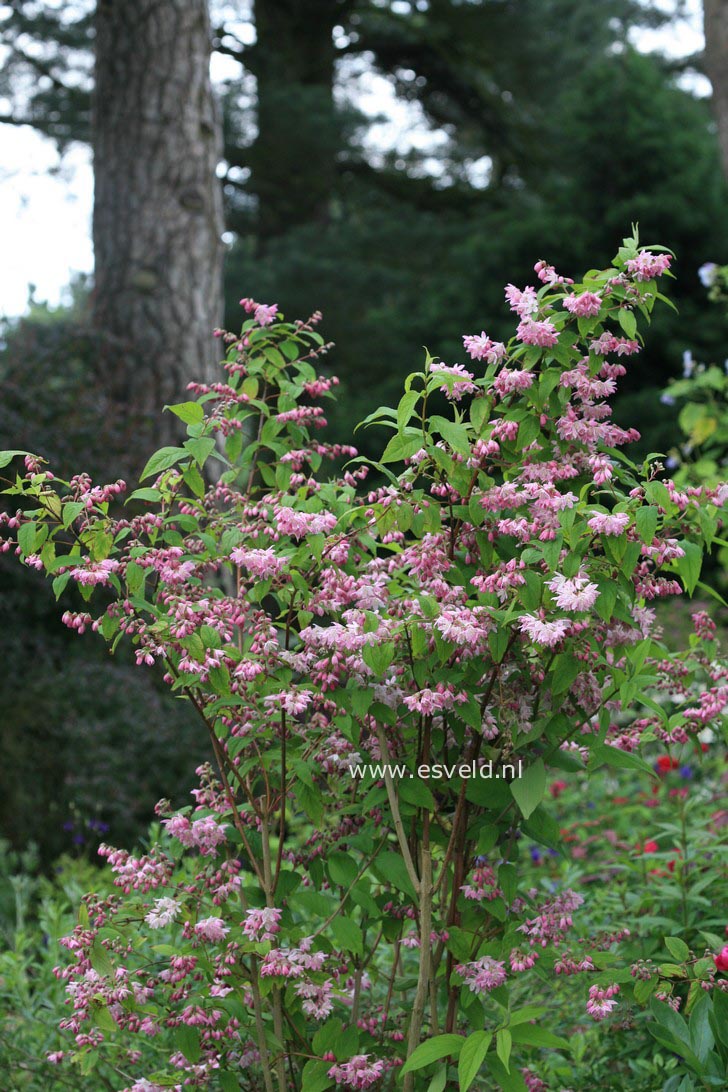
x=586, y=305
x=262, y=924
x=460, y=379
x=601, y=1002
x=297, y=524
x=608, y=343
x=548, y=275
x=510, y=380
x=721, y=959
x=542, y=632
x=203, y=834
x=260, y=563
x=480, y=347
x=575, y=593
x=162, y=913
x=95, y=572
x=358, y=1072
x=263, y=313
x=609, y=523
x=432, y=701
x=483, y=975
x=212, y=929
x=524, y=303
x=647, y=265
x=522, y=961
x=531, y=332
x=318, y=1003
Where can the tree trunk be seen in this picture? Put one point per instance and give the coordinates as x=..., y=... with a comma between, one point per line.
x=294, y=158
x=157, y=218
x=715, y=19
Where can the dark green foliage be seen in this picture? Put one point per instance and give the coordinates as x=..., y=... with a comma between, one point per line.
x=62, y=763
x=73, y=772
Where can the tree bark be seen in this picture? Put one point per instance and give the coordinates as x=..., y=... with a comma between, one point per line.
x=157, y=218
x=294, y=158
x=715, y=20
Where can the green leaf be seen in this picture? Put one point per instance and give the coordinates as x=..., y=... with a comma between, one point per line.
x=71, y=511
x=503, y=1043
x=162, y=460
x=8, y=456
x=528, y=790
x=378, y=657
x=719, y=1022
x=677, y=948
x=194, y=480
x=100, y=960
x=701, y=1036
x=228, y=1082
x=401, y=447
x=646, y=520
x=406, y=407
x=188, y=1041
x=27, y=536
x=347, y=934
x=200, y=448
x=315, y=1076
x=643, y=989
x=689, y=566
x=415, y=792
x=624, y=760
x=532, y=1035
x=342, y=868
x=146, y=495
x=565, y=669
x=442, y=1046
x=454, y=433
x=508, y=1082
x=472, y=1055
x=479, y=413
x=438, y=1082
x=326, y=1036
x=628, y=322
x=103, y=1019
x=191, y=413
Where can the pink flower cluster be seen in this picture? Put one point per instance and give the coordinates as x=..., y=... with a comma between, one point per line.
x=646, y=266
x=458, y=380
x=262, y=924
x=263, y=313
x=358, y=1072
x=482, y=975
x=480, y=347
x=203, y=834
x=601, y=1001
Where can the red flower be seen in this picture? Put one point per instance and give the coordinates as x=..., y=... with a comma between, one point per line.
x=671, y=863
x=650, y=847
x=556, y=788
x=665, y=764
x=721, y=959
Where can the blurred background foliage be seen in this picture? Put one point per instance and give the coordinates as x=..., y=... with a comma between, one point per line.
x=528, y=129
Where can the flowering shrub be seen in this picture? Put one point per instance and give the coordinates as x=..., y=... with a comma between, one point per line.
x=344, y=904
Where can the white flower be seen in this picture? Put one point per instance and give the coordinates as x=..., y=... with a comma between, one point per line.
x=162, y=913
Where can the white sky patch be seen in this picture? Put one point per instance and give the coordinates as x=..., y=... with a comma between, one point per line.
x=46, y=202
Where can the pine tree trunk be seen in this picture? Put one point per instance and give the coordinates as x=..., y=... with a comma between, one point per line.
x=294, y=158
x=157, y=218
x=715, y=17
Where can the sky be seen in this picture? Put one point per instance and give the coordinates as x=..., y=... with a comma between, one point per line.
x=45, y=202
